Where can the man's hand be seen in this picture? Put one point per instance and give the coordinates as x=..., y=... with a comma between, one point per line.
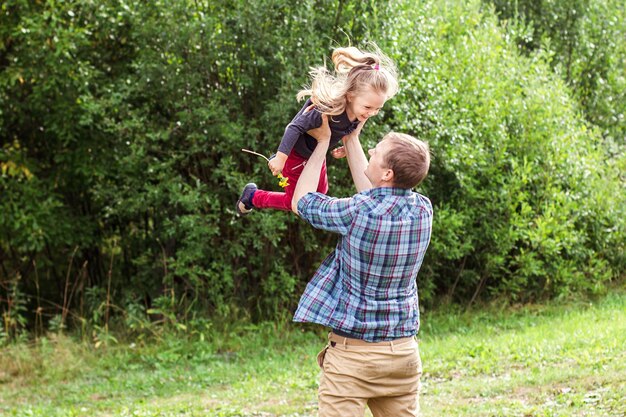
x=357, y=161
x=322, y=133
x=355, y=133
x=341, y=151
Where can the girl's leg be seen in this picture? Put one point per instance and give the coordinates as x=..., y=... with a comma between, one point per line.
x=292, y=170
x=322, y=186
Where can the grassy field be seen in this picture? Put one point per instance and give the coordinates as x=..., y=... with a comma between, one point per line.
x=565, y=360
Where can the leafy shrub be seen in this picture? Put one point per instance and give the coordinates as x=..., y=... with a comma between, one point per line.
x=122, y=128
x=584, y=40
x=519, y=181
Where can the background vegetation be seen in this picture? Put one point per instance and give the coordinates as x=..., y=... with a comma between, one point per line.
x=122, y=123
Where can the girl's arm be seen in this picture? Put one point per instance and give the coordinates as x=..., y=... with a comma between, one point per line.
x=277, y=163
x=305, y=120
x=357, y=159
x=338, y=153
x=300, y=124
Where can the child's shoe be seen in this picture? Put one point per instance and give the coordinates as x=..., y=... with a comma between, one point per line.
x=244, y=204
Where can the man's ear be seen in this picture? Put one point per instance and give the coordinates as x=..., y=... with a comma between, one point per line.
x=388, y=175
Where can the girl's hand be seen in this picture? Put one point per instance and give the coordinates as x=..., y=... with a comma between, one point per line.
x=277, y=163
x=338, y=153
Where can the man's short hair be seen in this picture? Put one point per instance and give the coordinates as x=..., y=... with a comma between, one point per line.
x=409, y=158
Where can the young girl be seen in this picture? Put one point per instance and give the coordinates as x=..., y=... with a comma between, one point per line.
x=358, y=89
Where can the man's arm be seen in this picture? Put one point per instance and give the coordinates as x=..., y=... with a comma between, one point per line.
x=310, y=176
x=357, y=159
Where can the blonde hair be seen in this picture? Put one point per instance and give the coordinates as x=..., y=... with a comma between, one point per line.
x=408, y=158
x=355, y=71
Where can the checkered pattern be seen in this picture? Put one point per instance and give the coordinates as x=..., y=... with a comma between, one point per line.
x=367, y=286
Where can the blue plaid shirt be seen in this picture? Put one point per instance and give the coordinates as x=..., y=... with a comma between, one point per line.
x=367, y=286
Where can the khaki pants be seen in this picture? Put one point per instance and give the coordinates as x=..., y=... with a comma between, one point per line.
x=385, y=376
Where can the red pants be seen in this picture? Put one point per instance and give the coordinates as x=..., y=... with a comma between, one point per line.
x=292, y=170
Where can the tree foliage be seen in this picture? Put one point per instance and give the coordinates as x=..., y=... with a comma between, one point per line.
x=122, y=127
x=585, y=44
x=527, y=204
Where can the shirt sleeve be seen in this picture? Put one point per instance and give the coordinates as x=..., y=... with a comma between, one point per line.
x=300, y=124
x=327, y=213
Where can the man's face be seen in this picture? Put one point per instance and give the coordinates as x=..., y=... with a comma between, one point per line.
x=377, y=172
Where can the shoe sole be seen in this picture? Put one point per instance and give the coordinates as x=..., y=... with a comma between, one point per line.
x=243, y=213
x=239, y=212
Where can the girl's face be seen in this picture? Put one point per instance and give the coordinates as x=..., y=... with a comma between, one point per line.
x=365, y=104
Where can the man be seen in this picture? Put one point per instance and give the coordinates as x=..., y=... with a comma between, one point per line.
x=366, y=290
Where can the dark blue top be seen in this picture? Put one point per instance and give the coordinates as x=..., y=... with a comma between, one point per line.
x=296, y=138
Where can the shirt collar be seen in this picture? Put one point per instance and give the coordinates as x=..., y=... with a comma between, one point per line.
x=384, y=191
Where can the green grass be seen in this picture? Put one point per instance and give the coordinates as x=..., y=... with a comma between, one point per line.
x=565, y=360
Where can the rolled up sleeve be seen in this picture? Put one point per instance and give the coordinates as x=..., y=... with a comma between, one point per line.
x=327, y=213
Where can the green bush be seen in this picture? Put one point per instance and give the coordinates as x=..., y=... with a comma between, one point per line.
x=523, y=193
x=584, y=40
x=122, y=128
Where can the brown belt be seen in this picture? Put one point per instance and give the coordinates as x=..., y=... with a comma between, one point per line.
x=332, y=337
